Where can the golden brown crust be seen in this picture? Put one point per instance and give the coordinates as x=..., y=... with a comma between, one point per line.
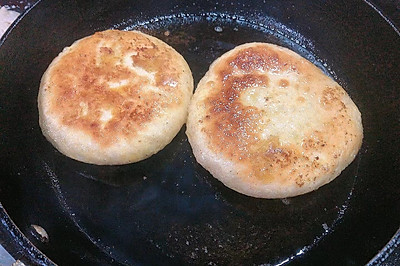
x=131, y=106
x=110, y=86
x=275, y=119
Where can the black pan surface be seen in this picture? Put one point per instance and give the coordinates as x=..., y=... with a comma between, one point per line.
x=168, y=210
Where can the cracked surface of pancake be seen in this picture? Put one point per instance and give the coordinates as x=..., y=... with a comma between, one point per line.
x=114, y=97
x=270, y=124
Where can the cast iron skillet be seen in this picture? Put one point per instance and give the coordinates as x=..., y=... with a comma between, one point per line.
x=168, y=210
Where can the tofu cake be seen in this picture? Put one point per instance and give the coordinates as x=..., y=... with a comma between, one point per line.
x=115, y=97
x=268, y=123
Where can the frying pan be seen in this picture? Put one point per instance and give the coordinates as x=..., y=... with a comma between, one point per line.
x=168, y=210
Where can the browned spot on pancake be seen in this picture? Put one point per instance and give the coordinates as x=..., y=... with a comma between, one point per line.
x=210, y=84
x=314, y=141
x=301, y=99
x=331, y=97
x=84, y=75
x=261, y=58
x=300, y=180
x=106, y=50
x=281, y=156
x=283, y=83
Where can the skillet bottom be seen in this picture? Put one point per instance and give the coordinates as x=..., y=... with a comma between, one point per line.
x=168, y=208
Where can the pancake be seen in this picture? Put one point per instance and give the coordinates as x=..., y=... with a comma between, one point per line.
x=115, y=97
x=269, y=124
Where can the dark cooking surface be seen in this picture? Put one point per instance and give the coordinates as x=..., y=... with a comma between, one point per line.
x=167, y=208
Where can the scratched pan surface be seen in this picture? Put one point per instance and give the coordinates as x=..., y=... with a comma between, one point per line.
x=168, y=210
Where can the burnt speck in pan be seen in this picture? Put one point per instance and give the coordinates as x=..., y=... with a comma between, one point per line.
x=39, y=233
x=218, y=29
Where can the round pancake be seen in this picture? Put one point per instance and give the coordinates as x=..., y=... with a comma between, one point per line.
x=115, y=97
x=270, y=124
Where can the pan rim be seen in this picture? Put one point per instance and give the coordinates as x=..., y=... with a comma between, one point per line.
x=384, y=16
x=387, y=250
x=16, y=21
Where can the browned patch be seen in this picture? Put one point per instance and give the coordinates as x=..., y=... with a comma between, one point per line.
x=331, y=97
x=299, y=180
x=283, y=83
x=233, y=127
x=315, y=141
x=301, y=99
x=261, y=58
x=106, y=50
x=82, y=77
